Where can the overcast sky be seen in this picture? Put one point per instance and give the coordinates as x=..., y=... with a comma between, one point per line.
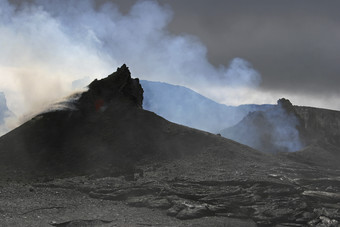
x=293, y=45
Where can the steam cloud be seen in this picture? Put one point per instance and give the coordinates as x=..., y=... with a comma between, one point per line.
x=46, y=45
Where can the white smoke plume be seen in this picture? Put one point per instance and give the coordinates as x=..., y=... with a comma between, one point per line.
x=46, y=45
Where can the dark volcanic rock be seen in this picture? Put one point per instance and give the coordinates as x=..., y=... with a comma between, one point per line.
x=190, y=212
x=95, y=222
x=268, y=203
x=286, y=105
x=117, y=86
x=320, y=121
x=320, y=131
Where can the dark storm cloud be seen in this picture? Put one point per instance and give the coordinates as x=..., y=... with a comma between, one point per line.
x=295, y=45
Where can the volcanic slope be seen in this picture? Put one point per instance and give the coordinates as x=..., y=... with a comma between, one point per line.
x=106, y=129
x=103, y=160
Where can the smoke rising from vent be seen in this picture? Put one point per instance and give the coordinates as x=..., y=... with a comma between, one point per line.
x=46, y=45
x=273, y=130
x=285, y=135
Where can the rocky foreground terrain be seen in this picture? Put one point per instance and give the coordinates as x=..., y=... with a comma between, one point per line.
x=102, y=160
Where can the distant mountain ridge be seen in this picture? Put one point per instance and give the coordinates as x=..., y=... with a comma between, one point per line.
x=187, y=107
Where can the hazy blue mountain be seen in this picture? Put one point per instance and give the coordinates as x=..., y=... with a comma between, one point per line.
x=184, y=106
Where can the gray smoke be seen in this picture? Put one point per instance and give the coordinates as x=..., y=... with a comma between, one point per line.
x=5, y=114
x=273, y=130
x=285, y=135
x=46, y=45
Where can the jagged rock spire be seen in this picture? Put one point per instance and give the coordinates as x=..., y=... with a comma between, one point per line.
x=117, y=86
